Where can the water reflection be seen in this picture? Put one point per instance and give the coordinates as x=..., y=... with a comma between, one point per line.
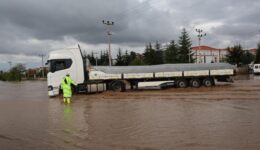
x=67, y=116
x=256, y=77
x=247, y=77
x=243, y=77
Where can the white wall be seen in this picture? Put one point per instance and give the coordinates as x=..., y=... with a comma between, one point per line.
x=208, y=56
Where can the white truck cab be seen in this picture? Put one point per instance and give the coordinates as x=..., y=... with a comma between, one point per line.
x=62, y=62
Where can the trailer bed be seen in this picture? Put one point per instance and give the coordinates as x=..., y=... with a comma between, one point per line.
x=160, y=71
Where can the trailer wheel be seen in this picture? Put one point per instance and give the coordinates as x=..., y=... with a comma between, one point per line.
x=182, y=83
x=117, y=86
x=208, y=82
x=195, y=83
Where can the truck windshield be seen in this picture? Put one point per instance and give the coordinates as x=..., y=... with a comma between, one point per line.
x=59, y=64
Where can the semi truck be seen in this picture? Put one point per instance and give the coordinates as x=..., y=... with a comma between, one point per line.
x=91, y=79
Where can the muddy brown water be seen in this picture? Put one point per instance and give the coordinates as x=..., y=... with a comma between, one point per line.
x=226, y=116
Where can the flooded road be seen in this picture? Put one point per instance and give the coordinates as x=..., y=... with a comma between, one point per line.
x=226, y=116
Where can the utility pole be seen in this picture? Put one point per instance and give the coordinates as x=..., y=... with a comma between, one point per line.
x=10, y=64
x=200, y=35
x=108, y=24
x=41, y=55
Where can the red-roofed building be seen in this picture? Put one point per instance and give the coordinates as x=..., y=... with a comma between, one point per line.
x=252, y=51
x=206, y=54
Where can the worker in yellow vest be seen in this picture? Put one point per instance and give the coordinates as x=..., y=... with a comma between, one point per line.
x=66, y=88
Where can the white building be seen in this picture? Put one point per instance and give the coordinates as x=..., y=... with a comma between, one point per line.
x=206, y=54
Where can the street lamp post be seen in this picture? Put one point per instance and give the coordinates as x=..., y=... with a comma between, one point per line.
x=10, y=64
x=108, y=24
x=200, y=35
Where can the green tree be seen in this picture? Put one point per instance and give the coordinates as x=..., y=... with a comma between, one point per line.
x=1, y=75
x=185, y=47
x=257, y=57
x=235, y=54
x=100, y=60
x=149, y=55
x=171, y=53
x=126, y=58
x=137, y=62
x=15, y=73
x=132, y=56
x=91, y=58
x=104, y=59
x=119, y=58
x=158, y=53
x=247, y=58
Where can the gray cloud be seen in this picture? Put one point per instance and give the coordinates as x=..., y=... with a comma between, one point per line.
x=31, y=27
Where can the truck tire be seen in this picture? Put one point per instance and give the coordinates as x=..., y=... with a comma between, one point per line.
x=208, y=82
x=195, y=83
x=117, y=85
x=182, y=83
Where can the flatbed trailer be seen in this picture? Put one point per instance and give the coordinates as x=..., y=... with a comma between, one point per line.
x=101, y=78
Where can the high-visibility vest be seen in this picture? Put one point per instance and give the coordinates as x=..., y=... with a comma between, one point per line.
x=66, y=86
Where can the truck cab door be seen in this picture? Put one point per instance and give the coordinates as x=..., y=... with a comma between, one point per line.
x=58, y=68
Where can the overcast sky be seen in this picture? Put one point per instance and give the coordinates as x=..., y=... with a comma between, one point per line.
x=32, y=27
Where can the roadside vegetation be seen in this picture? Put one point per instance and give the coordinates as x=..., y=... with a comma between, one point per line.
x=257, y=57
x=16, y=73
x=239, y=57
x=176, y=51
x=173, y=52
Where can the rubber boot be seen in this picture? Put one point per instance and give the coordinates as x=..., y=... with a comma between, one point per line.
x=64, y=100
x=68, y=100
